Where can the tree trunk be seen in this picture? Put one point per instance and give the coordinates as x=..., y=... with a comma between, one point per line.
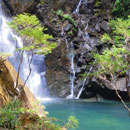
x=128, y=83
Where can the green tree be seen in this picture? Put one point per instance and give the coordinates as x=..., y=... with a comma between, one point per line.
x=29, y=28
x=114, y=61
x=121, y=8
x=34, y=39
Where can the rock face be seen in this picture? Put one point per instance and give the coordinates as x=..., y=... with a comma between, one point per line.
x=105, y=90
x=57, y=73
x=19, y=6
x=66, y=5
x=8, y=77
x=91, y=22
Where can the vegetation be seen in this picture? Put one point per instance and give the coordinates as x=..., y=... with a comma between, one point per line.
x=29, y=28
x=14, y=117
x=72, y=123
x=65, y=16
x=114, y=61
x=36, y=41
x=4, y=55
x=121, y=8
x=9, y=115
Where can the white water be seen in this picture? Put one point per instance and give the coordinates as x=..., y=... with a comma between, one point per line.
x=84, y=83
x=72, y=76
x=78, y=6
x=71, y=51
x=9, y=42
x=71, y=55
x=84, y=34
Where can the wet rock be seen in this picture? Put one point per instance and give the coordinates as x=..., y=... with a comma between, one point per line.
x=19, y=6
x=66, y=5
x=98, y=27
x=68, y=27
x=105, y=90
x=6, y=9
x=105, y=26
x=57, y=73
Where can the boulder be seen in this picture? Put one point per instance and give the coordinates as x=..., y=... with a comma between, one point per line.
x=8, y=76
x=66, y=5
x=19, y=6
x=57, y=73
x=105, y=26
x=105, y=90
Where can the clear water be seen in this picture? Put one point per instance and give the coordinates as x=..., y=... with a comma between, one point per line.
x=105, y=115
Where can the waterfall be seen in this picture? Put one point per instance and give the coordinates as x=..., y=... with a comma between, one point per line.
x=72, y=76
x=71, y=55
x=83, y=34
x=78, y=6
x=9, y=42
x=84, y=83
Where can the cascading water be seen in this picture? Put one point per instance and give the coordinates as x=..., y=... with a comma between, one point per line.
x=72, y=76
x=9, y=42
x=78, y=6
x=84, y=83
x=83, y=34
x=71, y=52
x=71, y=55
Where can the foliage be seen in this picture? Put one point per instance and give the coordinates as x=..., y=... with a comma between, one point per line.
x=72, y=123
x=9, y=115
x=29, y=28
x=42, y=2
x=120, y=32
x=13, y=116
x=43, y=124
x=65, y=16
x=97, y=3
x=121, y=8
x=4, y=55
x=112, y=61
x=115, y=60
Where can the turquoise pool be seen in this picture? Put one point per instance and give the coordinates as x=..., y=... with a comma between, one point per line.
x=103, y=115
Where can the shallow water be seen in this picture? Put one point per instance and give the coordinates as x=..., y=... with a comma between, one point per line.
x=103, y=115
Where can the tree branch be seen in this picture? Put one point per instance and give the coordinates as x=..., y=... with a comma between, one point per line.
x=19, y=67
x=117, y=93
x=30, y=69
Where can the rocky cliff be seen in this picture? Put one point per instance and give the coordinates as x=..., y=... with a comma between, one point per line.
x=90, y=23
x=8, y=76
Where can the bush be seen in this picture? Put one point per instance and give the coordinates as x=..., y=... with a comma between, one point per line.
x=9, y=115
x=14, y=117
x=121, y=8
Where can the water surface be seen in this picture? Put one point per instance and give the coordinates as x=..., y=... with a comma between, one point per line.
x=103, y=115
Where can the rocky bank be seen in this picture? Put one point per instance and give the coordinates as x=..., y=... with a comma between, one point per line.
x=8, y=76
